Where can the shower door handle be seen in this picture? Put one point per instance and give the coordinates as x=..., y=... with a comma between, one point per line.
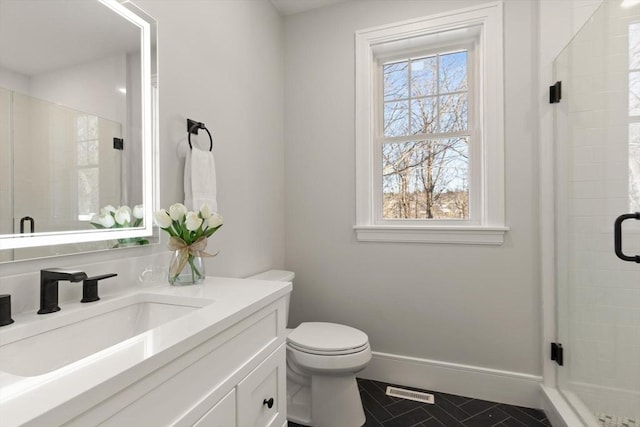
x=617, y=237
x=27, y=219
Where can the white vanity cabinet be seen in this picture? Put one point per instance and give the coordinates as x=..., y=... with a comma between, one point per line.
x=258, y=400
x=235, y=378
x=261, y=396
x=221, y=415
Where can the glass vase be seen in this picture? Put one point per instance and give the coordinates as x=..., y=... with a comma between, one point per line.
x=192, y=272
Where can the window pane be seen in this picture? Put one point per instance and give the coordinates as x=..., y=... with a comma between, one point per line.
x=634, y=93
x=396, y=118
x=81, y=128
x=453, y=113
x=423, y=115
x=88, y=191
x=93, y=152
x=423, y=76
x=399, y=183
x=396, y=84
x=81, y=149
x=634, y=46
x=92, y=127
x=453, y=72
x=426, y=179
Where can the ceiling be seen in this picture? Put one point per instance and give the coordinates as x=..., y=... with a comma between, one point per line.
x=291, y=7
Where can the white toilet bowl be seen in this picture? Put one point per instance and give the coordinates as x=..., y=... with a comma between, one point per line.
x=322, y=360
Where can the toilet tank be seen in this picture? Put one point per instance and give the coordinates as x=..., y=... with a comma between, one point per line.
x=277, y=276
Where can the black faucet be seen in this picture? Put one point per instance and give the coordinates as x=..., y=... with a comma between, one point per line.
x=49, y=287
x=5, y=310
x=90, y=287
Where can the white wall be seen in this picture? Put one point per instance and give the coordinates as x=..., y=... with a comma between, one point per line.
x=14, y=81
x=477, y=306
x=91, y=87
x=221, y=62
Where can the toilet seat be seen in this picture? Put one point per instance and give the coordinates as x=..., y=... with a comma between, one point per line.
x=323, y=364
x=327, y=339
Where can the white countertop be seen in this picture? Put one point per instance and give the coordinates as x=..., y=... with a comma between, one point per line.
x=98, y=376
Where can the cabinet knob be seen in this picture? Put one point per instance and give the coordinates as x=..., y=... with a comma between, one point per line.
x=269, y=402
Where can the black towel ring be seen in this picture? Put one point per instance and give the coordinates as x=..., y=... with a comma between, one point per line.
x=193, y=127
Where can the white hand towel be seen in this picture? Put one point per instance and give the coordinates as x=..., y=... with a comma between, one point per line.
x=200, y=180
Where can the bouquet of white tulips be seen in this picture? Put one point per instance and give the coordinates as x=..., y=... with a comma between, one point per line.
x=121, y=217
x=188, y=233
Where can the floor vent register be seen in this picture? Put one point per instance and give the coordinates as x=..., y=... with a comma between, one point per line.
x=417, y=396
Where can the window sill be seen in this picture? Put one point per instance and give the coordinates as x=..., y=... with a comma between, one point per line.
x=458, y=235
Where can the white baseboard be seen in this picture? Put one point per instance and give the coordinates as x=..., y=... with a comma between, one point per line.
x=513, y=388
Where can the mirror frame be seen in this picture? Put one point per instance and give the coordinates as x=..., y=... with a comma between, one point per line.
x=149, y=150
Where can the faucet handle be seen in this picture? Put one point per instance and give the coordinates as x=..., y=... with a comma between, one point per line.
x=5, y=310
x=90, y=287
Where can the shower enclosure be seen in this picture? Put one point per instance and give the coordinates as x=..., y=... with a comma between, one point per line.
x=597, y=143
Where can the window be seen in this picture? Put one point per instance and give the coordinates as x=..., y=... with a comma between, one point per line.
x=425, y=136
x=429, y=137
x=88, y=166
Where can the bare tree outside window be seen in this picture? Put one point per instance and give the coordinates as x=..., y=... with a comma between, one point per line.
x=88, y=165
x=425, y=155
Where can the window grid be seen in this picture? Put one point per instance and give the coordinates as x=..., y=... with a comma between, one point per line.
x=437, y=95
x=429, y=139
x=87, y=166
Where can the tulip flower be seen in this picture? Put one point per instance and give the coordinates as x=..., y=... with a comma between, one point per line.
x=193, y=221
x=189, y=232
x=104, y=220
x=107, y=209
x=177, y=211
x=214, y=220
x=163, y=219
x=205, y=211
x=123, y=215
x=138, y=211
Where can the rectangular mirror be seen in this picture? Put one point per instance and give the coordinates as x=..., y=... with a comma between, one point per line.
x=78, y=83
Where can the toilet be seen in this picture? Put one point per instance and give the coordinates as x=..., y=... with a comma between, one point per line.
x=322, y=362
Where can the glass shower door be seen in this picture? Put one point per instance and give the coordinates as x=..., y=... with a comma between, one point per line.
x=597, y=138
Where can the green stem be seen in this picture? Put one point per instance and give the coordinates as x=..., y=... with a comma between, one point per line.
x=194, y=269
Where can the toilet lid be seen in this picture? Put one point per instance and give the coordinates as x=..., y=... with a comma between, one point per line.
x=327, y=338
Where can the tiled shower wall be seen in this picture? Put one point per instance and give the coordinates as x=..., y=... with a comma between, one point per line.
x=599, y=294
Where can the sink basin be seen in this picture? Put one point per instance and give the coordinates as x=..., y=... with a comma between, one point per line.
x=52, y=341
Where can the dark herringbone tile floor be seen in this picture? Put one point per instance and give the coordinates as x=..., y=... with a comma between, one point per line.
x=449, y=411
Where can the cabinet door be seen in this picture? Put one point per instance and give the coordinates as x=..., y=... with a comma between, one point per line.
x=221, y=415
x=262, y=399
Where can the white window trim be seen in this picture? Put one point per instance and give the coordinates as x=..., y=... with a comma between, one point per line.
x=491, y=227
